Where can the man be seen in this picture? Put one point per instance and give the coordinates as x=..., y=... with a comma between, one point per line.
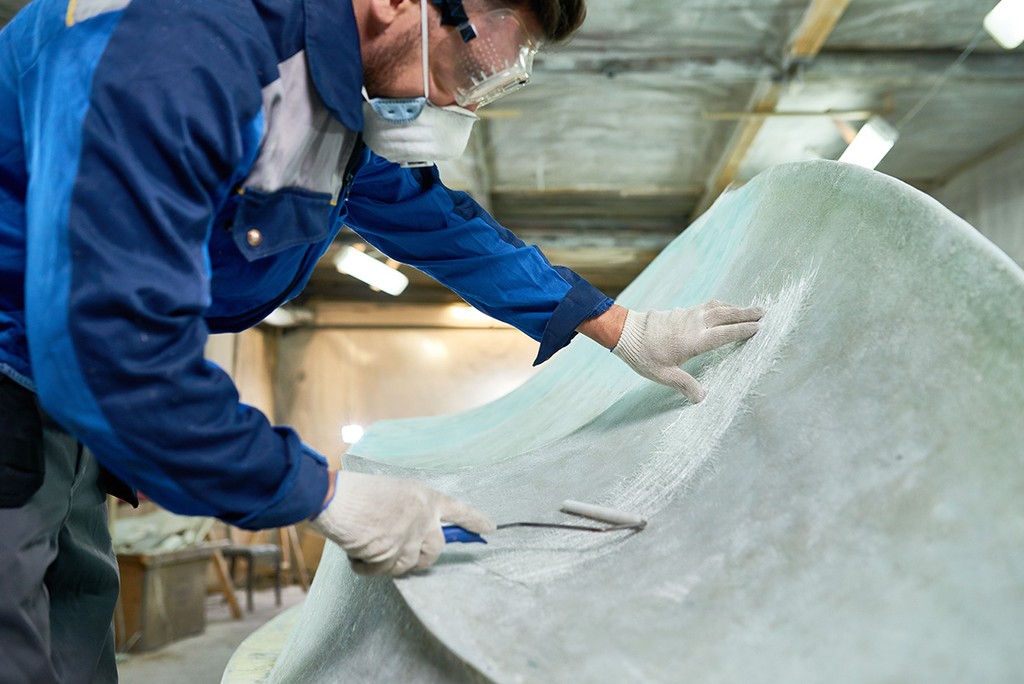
x=170, y=169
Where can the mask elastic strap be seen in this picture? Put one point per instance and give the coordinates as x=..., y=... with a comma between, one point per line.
x=426, y=51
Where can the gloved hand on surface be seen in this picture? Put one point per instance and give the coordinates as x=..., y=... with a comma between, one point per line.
x=656, y=343
x=388, y=525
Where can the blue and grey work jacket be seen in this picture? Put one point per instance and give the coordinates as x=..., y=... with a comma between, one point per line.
x=170, y=169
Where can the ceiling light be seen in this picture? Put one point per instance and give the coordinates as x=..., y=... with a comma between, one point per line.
x=372, y=272
x=1005, y=23
x=871, y=144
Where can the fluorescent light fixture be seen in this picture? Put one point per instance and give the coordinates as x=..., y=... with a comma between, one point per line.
x=872, y=143
x=350, y=434
x=372, y=272
x=1005, y=23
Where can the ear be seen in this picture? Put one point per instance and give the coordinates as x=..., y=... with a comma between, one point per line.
x=383, y=13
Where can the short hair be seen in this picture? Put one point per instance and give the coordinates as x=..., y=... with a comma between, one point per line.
x=558, y=19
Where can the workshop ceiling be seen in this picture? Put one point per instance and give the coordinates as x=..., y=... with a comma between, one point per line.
x=630, y=131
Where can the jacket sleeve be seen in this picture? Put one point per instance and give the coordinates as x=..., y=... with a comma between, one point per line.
x=412, y=217
x=155, y=119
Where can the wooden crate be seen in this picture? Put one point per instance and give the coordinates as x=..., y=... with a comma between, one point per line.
x=163, y=597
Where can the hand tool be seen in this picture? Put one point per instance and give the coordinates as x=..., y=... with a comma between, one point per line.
x=618, y=520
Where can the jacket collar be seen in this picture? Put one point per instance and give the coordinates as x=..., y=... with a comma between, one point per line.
x=335, y=63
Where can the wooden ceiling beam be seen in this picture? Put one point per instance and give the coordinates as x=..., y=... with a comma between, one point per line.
x=817, y=24
x=765, y=99
x=815, y=27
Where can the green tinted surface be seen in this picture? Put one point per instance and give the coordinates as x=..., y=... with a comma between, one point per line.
x=844, y=506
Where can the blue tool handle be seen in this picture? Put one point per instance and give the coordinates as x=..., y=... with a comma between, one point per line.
x=456, y=534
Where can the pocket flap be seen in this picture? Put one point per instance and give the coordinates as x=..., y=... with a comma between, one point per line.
x=267, y=223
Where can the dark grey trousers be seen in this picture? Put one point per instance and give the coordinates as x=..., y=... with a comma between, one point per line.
x=58, y=573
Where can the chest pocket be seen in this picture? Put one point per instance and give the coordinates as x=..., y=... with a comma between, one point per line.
x=266, y=223
x=291, y=194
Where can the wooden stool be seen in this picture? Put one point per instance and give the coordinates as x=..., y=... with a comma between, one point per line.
x=252, y=555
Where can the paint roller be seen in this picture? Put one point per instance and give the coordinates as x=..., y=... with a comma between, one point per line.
x=616, y=521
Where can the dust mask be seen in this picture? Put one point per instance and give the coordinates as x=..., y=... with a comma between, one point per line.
x=414, y=131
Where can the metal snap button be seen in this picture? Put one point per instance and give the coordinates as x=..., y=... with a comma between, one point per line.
x=254, y=237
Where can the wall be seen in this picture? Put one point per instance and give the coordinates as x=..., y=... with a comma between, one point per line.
x=990, y=196
x=250, y=359
x=373, y=363
x=330, y=378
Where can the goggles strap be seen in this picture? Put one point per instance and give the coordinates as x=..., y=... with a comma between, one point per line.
x=454, y=14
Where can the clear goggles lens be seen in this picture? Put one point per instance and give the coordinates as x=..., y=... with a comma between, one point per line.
x=496, y=62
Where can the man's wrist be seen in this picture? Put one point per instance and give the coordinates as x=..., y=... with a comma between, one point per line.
x=606, y=328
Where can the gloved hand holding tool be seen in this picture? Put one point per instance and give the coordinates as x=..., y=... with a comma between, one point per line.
x=388, y=525
x=656, y=343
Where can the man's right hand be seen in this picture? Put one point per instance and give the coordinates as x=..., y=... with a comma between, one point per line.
x=388, y=525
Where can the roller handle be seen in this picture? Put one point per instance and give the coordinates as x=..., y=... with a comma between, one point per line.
x=453, y=534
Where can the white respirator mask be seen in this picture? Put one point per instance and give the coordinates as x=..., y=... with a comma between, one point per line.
x=415, y=132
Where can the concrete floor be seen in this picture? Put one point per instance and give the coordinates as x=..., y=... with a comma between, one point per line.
x=201, y=659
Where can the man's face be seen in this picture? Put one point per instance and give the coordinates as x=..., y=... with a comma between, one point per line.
x=392, y=63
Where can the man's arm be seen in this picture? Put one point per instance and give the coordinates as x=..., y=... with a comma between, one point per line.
x=125, y=176
x=606, y=328
x=413, y=218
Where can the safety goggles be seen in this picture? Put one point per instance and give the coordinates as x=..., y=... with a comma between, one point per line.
x=486, y=60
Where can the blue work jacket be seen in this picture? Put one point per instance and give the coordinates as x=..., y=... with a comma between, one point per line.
x=170, y=169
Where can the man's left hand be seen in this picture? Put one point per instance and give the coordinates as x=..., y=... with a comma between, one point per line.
x=656, y=343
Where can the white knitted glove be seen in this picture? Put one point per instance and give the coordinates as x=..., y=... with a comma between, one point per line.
x=656, y=343
x=388, y=525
